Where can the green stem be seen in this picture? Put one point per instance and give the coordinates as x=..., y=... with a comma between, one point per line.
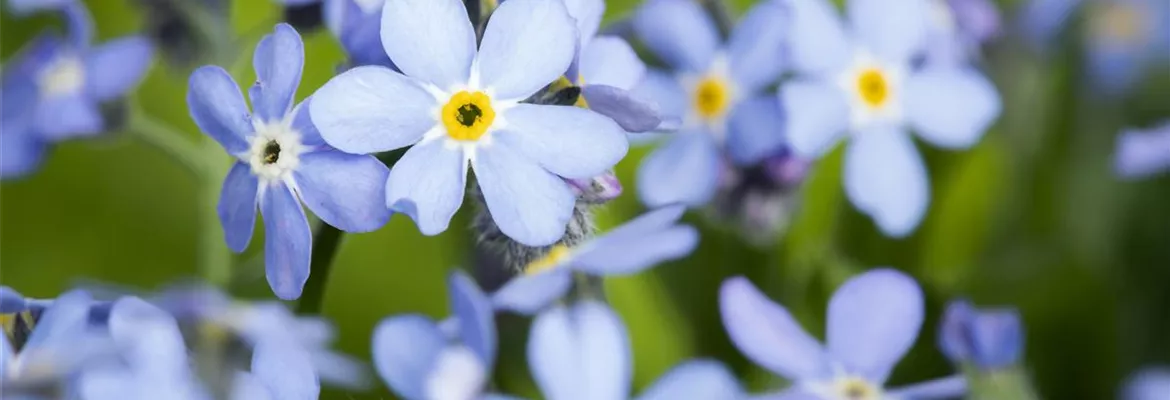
x=168, y=140
x=215, y=259
x=325, y=244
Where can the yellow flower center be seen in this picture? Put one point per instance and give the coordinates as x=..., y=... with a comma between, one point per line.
x=556, y=255
x=856, y=389
x=1119, y=23
x=468, y=115
x=873, y=87
x=712, y=96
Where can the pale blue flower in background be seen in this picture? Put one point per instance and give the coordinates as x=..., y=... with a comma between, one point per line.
x=957, y=29
x=641, y=243
x=62, y=343
x=281, y=161
x=357, y=24
x=1143, y=152
x=989, y=339
x=858, y=83
x=1150, y=383
x=715, y=90
x=459, y=108
x=873, y=320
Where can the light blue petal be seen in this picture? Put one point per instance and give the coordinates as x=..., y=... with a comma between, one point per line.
x=767, y=334
x=757, y=130
x=24, y=7
x=278, y=61
x=237, y=206
x=951, y=107
x=477, y=324
x=11, y=301
x=347, y=191
x=895, y=31
x=610, y=61
x=664, y=90
x=817, y=116
x=78, y=23
x=953, y=331
x=529, y=204
x=430, y=40
x=1043, y=20
x=526, y=46
x=497, y=396
x=568, y=141
x=21, y=152
x=1114, y=67
x=886, y=178
x=218, y=108
x=62, y=322
x=372, y=109
x=701, y=379
x=6, y=353
x=245, y=386
x=997, y=337
x=288, y=242
x=587, y=14
x=117, y=66
x=303, y=124
x=405, y=351
x=528, y=294
x=284, y=368
x=631, y=113
x=946, y=388
x=628, y=254
x=1142, y=153
x=817, y=43
x=427, y=185
x=679, y=32
x=1151, y=383
x=684, y=170
x=149, y=338
x=756, y=49
x=580, y=351
x=68, y=116
x=873, y=320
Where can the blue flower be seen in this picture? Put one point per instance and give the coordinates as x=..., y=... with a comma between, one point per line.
x=628, y=249
x=873, y=320
x=357, y=24
x=990, y=339
x=460, y=107
x=1141, y=153
x=860, y=81
x=63, y=342
x=958, y=28
x=24, y=7
x=420, y=359
x=1151, y=383
x=715, y=90
x=582, y=351
x=282, y=161
x=53, y=88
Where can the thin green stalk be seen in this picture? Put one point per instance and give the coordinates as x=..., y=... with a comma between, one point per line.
x=215, y=259
x=166, y=139
x=326, y=241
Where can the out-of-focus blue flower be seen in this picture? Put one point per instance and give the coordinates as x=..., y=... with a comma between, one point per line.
x=873, y=320
x=859, y=82
x=991, y=339
x=24, y=7
x=357, y=24
x=53, y=88
x=715, y=90
x=1141, y=153
x=281, y=162
x=630, y=248
x=582, y=351
x=958, y=28
x=460, y=107
x=420, y=359
x=1151, y=383
x=62, y=343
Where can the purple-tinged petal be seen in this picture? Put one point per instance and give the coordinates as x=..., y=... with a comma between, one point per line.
x=347, y=191
x=895, y=31
x=24, y=7
x=1114, y=68
x=278, y=60
x=21, y=152
x=885, y=178
x=524, y=47
x=1043, y=20
x=405, y=349
x=817, y=116
x=945, y=388
x=285, y=369
x=610, y=61
x=1151, y=383
x=991, y=339
x=873, y=321
x=596, y=190
x=817, y=42
x=431, y=40
x=477, y=325
x=288, y=242
x=665, y=91
x=684, y=170
x=757, y=130
x=372, y=109
x=951, y=107
x=679, y=32
x=78, y=24
x=643, y=242
x=237, y=206
x=218, y=108
x=568, y=141
x=529, y=293
x=756, y=49
x=1142, y=153
x=580, y=351
x=632, y=114
x=767, y=334
x=427, y=185
x=11, y=301
x=114, y=68
x=702, y=379
x=528, y=203
x=68, y=116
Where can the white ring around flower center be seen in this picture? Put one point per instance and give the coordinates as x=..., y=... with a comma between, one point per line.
x=64, y=75
x=457, y=375
x=865, y=111
x=278, y=135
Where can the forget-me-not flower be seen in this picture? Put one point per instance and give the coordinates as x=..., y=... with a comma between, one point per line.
x=873, y=320
x=460, y=107
x=357, y=24
x=62, y=343
x=282, y=161
x=643, y=242
x=53, y=89
x=989, y=339
x=1150, y=383
x=859, y=82
x=715, y=90
x=1143, y=152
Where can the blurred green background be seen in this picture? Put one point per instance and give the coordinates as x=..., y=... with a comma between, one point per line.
x=1032, y=216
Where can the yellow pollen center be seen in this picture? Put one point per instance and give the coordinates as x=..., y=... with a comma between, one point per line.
x=873, y=87
x=1120, y=23
x=556, y=255
x=467, y=116
x=712, y=96
x=856, y=389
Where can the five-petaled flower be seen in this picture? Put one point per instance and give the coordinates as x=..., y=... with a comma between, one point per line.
x=460, y=107
x=281, y=161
